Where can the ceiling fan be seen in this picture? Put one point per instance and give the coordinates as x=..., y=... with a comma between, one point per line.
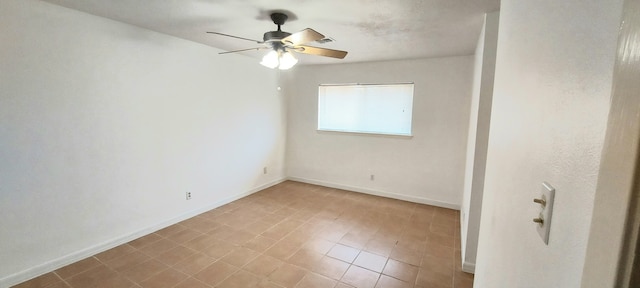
x=282, y=43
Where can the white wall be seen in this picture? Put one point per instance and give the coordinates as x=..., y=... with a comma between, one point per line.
x=105, y=126
x=477, y=141
x=427, y=168
x=551, y=98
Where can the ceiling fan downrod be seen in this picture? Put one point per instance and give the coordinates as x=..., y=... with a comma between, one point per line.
x=276, y=36
x=279, y=19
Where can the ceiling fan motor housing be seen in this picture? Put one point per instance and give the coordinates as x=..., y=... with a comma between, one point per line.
x=272, y=36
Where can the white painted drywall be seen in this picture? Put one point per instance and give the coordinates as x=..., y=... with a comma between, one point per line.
x=104, y=127
x=479, y=120
x=427, y=168
x=551, y=98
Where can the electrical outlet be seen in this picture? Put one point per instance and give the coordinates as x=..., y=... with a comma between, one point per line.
x=188, y=196
x=373, y=177
x=264, y=170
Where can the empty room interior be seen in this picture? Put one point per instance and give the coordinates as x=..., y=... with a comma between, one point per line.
x=206, y=143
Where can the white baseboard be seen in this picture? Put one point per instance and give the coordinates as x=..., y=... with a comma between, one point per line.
x=104, y=246
x=469, y=267
x=386, y=194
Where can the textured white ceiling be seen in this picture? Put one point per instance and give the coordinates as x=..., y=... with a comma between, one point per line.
x=370, y=30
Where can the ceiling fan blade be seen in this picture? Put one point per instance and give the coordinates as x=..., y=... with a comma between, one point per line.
x=241, y=50
x=301, y=37
x=242, y=38
x=320, y=51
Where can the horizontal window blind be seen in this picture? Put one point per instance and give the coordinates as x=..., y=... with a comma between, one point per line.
x=366, y=108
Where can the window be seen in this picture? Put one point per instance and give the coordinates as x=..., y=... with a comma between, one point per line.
x=366, y=108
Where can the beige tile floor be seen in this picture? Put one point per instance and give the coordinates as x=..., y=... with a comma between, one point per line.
x=289, y=235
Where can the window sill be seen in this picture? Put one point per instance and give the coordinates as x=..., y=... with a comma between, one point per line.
x=388, y=135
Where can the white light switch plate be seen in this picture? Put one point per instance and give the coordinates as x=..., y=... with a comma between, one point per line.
x=546, y=211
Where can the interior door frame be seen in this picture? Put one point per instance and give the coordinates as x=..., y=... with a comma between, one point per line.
x=613, y=240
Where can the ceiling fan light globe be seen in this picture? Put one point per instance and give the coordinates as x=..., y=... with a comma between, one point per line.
x=270, y=60
x=287, y=61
